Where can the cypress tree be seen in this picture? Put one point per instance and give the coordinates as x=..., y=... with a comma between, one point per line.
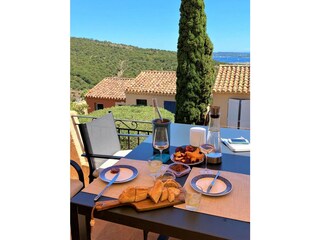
x=195, y=64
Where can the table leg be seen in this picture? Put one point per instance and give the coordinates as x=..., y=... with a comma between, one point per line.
x=74, y=222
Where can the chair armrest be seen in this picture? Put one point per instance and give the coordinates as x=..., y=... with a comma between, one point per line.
x=100, y=156
x=78, y=169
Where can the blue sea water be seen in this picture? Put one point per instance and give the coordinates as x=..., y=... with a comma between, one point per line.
x=232, y=57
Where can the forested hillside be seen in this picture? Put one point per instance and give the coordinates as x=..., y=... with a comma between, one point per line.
x=93, y=60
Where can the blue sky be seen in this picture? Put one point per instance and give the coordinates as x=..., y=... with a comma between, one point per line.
x=155, y=23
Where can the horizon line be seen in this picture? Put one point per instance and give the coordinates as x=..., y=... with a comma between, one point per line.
x=220, y=51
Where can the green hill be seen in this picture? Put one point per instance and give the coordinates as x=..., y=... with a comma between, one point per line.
x=93, y=60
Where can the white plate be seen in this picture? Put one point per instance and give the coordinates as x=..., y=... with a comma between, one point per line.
x=221, y=187
x=127, y=173
x=190, y=164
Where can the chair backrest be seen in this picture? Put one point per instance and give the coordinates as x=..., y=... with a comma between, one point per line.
x=99, y=137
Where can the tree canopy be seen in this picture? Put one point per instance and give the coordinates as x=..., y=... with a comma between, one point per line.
x=195, y=70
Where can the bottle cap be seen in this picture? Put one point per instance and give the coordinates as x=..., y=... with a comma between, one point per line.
x=215, y=111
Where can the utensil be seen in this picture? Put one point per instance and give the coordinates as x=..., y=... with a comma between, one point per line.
x=213, y=181
x=109, y=184
x=155, y=104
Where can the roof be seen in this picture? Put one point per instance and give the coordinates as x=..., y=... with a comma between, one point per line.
x=110, y=88
x=232, y=79
x=154, y=82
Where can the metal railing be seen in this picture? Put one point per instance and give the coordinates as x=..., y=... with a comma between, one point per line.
x=131, y=132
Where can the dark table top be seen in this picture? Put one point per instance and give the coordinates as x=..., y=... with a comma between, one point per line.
x=173, y=221
x=180, y=135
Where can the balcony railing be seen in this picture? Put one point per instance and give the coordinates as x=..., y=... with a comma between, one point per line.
x=131, y=132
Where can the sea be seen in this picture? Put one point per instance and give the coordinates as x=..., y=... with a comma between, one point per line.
x=232, y=57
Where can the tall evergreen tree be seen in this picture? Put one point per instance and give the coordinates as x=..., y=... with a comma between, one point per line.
x=195, y=64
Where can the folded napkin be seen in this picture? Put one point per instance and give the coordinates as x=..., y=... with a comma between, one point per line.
x=237, y=147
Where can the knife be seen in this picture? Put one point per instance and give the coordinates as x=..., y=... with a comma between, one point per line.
x=109, y=184
x=213, y=181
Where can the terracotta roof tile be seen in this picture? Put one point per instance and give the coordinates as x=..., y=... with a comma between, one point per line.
x=154, y=82
x=232, y=79
x=110, y=88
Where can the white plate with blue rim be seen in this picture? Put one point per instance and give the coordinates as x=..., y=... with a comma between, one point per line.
x=221, y=187
x=127, y=173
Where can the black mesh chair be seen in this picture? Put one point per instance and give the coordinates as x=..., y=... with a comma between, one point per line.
x=101, y=144
x=76, y=184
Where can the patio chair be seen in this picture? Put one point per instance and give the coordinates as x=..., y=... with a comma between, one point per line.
x=76, y=184
x=101, y=144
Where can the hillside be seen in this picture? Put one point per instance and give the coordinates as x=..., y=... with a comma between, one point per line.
x=93, y=60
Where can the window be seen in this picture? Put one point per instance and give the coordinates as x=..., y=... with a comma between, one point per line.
x=239, y=113
x=170, y=106
x=141, y=102
x=120, y=103
x=99, y=106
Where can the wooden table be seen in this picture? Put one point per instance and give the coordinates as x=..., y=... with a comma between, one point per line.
x=170, y=221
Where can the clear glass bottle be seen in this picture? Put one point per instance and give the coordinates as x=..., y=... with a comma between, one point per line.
x=213, y=136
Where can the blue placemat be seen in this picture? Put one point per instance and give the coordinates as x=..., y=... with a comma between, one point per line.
x=165, y=157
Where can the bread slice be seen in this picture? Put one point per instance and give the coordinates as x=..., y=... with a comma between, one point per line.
x=164, y=194
x=176, y=191
x=172, y=183
x=141, y=193
x=128, y=195
x=171, y=195
x=156, y=191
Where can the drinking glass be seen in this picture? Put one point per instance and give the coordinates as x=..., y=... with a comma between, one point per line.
x=154, y=168
x=206, y=149
x=160, y=139
x=193, y=200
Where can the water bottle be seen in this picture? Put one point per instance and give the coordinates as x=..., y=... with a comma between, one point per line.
x=213, y=136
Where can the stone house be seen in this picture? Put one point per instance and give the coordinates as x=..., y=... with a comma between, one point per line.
x=107, y=93
x=231, y=91
x=153, y=84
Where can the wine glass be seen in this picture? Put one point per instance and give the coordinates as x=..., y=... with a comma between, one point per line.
x=160, y=139
x=206, y=148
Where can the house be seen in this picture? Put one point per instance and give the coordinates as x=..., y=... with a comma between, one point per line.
x=231, y=91
x=108, y=93
x=153, y=84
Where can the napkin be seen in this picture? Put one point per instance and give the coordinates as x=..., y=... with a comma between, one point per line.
x=237, y=147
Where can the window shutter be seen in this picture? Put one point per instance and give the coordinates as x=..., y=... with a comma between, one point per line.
x=233, y=113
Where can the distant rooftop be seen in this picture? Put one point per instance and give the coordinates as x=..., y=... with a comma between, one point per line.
x=232, y=79
x=154, y=82
x=110, y=88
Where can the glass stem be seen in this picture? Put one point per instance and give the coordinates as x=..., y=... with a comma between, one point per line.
x=206, y=162
x=161, y=155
